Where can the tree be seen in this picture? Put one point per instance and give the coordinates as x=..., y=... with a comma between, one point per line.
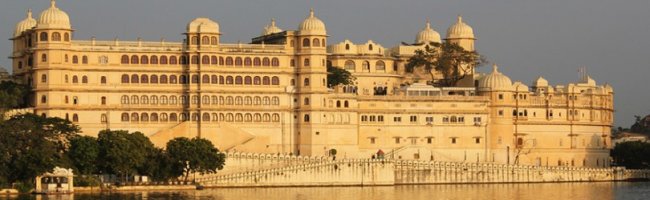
x=83, y=154
x=123, y=153
x=339, y=76
x=194, y=156
x=31, y=145
x=632, y=155
x=641, y=125
x=449, y=59
x=13, y=95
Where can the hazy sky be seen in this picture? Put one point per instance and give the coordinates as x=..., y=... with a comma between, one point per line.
x=526, y=38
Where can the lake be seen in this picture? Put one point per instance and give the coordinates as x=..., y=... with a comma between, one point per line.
x=536, y=191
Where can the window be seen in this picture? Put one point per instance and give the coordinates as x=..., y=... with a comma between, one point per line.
x=306, y=62
x=125, y=78
x=103, y=100
x=372, y=140
x=305, y=42
x=66, y=37
x=275, y=80
x=43, y=78
x=306, y=102
x=349, y=65
x=43, y=37
x=56, y=36
x=477, y=140
x=453, y=140
x=124, y=60
x=84, y=79
x=414, y=119
x=75, y=79
x=43, y=99
x=103, y=119
x=429, y=120
x=397, y=140
x=135, y=59
x=316, y=42
x=125, y=117
x=125, y=100
x=306, y=118
x=380, y=66
x=500, y=96
x=477, y=120
x=84, y=60
x=306, y=82
x=364, y=118
x=397, y=119
x=275, y=62
x=366, y=66
x=214, y=40
x=205, y=40
x=429, y=140
x=75, y=118
x=103, y=79
x=44, y=58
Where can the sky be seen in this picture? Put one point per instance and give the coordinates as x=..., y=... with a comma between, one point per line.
x=526, y=38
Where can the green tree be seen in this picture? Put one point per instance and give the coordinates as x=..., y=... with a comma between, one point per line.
x=83, y=154
x=339, y=76
x=194, y=156
x=449, y=59
x=31, y=145
x=632, y=155
x=123, y=153
x=13, y=95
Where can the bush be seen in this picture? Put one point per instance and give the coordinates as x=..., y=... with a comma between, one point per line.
x=87, y=181
x=24, y=187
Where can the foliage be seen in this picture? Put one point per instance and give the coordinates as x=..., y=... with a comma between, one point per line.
x=32, y=145
x=632, y=155
x=161, y=166
x=86, y=181
x=13, y=95
x=641, y=125
x=451, y=60
x=194, y=156
x=333, y=152
x=339, y=76
x=122, y=153
x=83, y=153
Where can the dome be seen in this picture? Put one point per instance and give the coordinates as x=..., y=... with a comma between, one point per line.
x=460, y=30
x=26, y=24
x=271, y=28
x=202, y=25
x=312, y=25
x=520, y=87
x=495, y=81
x=54, y=17
x=427, y=35
x=541, y=82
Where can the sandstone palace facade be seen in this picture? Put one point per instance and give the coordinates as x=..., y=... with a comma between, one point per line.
x=271, y=96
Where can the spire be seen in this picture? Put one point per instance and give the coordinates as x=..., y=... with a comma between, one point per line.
x=29, y=13
x=495, y=68
x=460, y=19
x=311, y=12
x=52, y=3
x=428, y=24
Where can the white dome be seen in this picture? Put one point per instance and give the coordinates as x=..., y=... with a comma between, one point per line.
x=495, y=81
x=427, y=35
x=26, y=24
x=541, y=82
x=203, y=25
x=54, y=17
x=312, y=25
x=460, y=30
x=271, y=28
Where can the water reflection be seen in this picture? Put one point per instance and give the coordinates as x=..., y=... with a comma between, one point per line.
x=539, y=191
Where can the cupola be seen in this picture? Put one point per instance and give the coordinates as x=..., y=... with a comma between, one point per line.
x=460, y=30
x=53, y=18
x=427, y=35
x=26, y=24
x=312, y=25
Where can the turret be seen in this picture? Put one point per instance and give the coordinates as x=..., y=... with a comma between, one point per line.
x=202, y=33
x=462, y=34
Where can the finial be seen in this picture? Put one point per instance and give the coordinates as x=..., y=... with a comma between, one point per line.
x=495, y=68
x=311, y=12
x=428, y=23
x=53, y=3
x=29, y=13
x=460, y=18
x=272, y=21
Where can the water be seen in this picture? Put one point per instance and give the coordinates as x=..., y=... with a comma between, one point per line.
x=539, y=191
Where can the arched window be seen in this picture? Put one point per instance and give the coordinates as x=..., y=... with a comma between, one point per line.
x=103, y=80
x=275, y=81
x=125, y=59
x=380, y=66
x=214, y=60
x=144, y=60
x=75, y=117
x=84, y=59
x=238, y=61
x=306, y=118
x=257, y=80
x=43, y=99
x=248, y=100
x=306, y=82
x=229, y=80
x=66, y=37
x=173, y=79
x=44, y=58
x=205, y=100
x=238, y=80
x=205, y=79
x=135, y=59
x=163, y=100
x=257, y=62
x=306, y=102
x=275, y=62
x=316, y=42
x=43, y=37
x=305, y=42
x=125, y=78
x=214, y=79
x=173, y=60
x=370, y=47
x=144, y=117
x=153, y=79
x=205, y=117
x=134, y=99
x=306, y=62
x=266, y=117
x=195, y=78
x=275, y=101
x=221, y=62
x=229, y=61
x=214, y=40
x=266, y=62
x=266, y=80
x=347, y=46
x=183, y=60
x=135, y=117
x=163, y=60
x=56, y=36
x=144, y=79
x=247, y=61
x=322, y=42
x=248, y=80
x=153, y=117
x=349, y=65
x=75, y=79
x=103, y=100
x=163, y=117
x=205, y=60
x=124, y=100
x=163, y=79
x=135, y=79
x=195, y=59
x=205, y=40
x=125, y=117
x=182, y=79
x=84, y=79
x=276, y=117
x=154, y=60
x=173, y=117
x=173, y=100
x=346, y=104
x=195, y=40
x=43, y=78
x=154, y=100
x=366, y=66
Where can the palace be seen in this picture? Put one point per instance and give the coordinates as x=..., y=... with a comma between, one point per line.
x=271, y=96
